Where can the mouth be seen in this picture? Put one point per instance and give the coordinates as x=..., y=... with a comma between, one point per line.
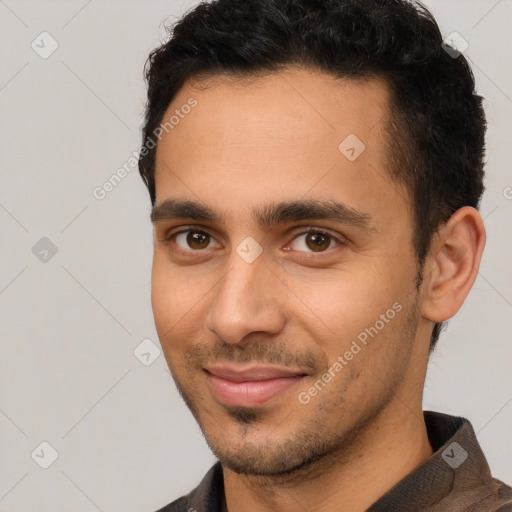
x=250, y=386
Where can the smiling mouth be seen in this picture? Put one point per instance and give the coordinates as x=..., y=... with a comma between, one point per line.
x=250, y=387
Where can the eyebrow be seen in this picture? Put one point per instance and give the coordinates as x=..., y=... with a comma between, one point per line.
x=268, y=215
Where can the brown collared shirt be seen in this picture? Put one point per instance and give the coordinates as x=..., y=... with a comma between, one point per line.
x=456, y=478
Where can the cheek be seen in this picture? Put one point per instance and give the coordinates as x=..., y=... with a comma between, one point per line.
x=170, y=299
x=341, y=304
x=172, y=290
x=178, y=298
x=358, y=318
x=164, y=302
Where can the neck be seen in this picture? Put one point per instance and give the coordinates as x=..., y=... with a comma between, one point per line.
x=388, y=450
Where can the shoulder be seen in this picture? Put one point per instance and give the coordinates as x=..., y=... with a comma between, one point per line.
x=492, y=496
x=496, y=496
x=206, y=497
x=179, y=505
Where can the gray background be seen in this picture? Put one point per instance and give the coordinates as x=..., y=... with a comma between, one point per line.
x=71, y=322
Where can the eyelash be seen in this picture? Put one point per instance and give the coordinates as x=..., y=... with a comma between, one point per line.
x=311, y=229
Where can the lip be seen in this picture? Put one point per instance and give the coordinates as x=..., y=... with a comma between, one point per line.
x=250, y=387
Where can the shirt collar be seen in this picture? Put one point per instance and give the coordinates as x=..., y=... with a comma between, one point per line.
x=457, y=463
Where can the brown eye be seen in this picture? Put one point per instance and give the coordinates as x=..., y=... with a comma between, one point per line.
x=314, y=241
x=192, y=240
x=317, y=241
x=197, y=240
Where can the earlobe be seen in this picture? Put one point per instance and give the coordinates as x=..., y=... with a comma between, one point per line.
x=452, y=264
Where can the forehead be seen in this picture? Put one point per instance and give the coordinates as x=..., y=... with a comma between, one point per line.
x=298, y=108
x=292, y=133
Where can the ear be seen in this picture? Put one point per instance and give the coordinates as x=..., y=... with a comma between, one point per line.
x=452, y=264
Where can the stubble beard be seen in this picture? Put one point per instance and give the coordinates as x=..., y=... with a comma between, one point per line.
x=312, y=449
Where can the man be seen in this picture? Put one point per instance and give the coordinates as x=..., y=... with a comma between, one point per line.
x=315, y=169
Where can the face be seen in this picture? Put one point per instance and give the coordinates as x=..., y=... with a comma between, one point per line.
x=283, y=284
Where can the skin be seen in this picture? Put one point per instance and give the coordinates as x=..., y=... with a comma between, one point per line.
x=248, y=143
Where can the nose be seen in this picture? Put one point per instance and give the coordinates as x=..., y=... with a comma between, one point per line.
x=247, y=300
